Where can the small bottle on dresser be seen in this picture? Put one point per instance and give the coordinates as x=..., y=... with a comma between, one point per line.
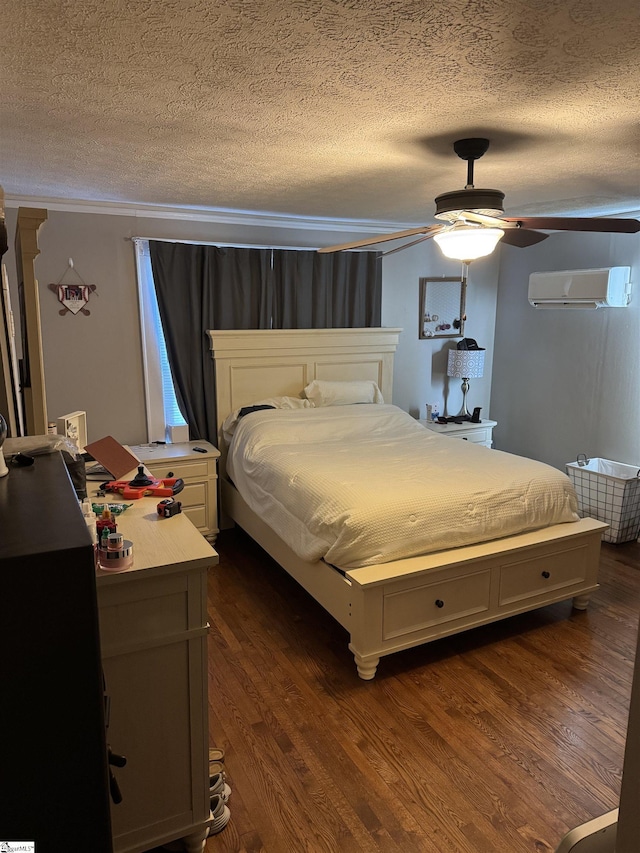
x=433, y=412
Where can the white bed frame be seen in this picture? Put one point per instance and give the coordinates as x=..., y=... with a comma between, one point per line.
x=396, y=605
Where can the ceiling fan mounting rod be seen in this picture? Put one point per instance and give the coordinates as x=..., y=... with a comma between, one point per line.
x=470, y=150
x=469, y=184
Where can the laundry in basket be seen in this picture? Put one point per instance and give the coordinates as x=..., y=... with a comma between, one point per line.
x=610, y=492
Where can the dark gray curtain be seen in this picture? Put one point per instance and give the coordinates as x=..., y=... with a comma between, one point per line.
x=313, y=291
x=206, y=287
x=200, y=288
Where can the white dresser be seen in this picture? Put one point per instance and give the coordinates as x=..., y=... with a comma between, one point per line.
x=481, y=433
x=153, y=636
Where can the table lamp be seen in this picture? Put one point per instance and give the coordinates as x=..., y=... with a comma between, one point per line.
x=465, y=365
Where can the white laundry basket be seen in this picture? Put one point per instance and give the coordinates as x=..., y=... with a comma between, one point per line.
x=610, y=492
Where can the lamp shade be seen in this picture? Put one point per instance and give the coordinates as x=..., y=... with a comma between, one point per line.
x=468, y=242
x=466, y=364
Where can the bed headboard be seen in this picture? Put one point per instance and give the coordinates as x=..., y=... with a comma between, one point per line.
x=251, y=365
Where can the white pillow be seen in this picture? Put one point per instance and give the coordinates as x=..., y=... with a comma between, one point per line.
x=231, y=421
x=325, y=393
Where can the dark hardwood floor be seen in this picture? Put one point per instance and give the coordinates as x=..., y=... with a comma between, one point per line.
x=499, y=739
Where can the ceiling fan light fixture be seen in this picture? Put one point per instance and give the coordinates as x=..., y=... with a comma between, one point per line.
x=449, y=206
x=468, y=243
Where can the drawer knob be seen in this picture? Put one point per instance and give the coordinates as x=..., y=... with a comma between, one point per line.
x=170, y=474
x=546, y=574
x=439, y=602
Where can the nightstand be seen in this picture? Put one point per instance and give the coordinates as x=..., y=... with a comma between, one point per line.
x=199, y=498
x=477, y=433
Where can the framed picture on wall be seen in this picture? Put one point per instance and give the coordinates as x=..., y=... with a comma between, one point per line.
x=442, y=308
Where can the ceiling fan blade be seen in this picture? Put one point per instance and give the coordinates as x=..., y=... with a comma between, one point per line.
x=564, y=223
x=413, y=242
x=371, y=241
x=522, y=237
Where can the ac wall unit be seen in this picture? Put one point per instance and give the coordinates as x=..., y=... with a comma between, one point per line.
x=610, y=287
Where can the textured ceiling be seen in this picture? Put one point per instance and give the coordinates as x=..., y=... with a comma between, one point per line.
x=325, y=108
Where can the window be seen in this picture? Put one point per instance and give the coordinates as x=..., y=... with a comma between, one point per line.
x=248, y=287
x=160, y=397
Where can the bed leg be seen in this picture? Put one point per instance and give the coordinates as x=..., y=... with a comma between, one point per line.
x=581, y=602
x=366, y=666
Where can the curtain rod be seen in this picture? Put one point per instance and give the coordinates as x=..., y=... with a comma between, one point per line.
x=219, y=245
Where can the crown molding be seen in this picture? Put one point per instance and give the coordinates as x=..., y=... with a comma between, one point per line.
x=228, y=216
x=199, y=214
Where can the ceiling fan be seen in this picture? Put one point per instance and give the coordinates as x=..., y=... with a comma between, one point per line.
x=473, y=222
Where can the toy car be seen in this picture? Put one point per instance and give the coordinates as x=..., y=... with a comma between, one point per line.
x=169, y=507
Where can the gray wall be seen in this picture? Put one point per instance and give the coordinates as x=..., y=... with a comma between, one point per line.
x=567, y=382
x=421, y=365
x=558, y=382
x=94, y=363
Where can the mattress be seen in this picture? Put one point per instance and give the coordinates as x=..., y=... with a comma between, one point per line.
x=358, y=485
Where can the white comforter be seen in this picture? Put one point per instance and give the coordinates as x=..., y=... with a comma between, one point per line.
x=365, y=484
